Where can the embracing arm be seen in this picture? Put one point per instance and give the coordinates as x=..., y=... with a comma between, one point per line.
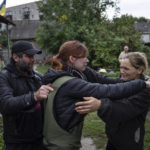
x=81, y=88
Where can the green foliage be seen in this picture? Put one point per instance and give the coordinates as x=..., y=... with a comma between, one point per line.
x=65, y=20
x=3, y=38
x=124, y=30
x=85, y=20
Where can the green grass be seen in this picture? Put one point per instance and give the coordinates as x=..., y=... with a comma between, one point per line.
x=42, y=68
x=94, y=127
x=147, y=133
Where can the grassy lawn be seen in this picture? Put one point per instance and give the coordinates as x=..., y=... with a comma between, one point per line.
x=147, y=133
x=42, y=68
x=95, y=128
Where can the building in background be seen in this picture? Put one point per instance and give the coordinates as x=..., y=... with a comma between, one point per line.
x=27, y=20
x=144, y=28
x=27, y=11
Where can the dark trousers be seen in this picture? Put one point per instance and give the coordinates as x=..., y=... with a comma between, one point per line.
x=110, y=146
x=27, y=146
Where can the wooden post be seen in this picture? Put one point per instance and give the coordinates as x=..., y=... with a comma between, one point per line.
x=8, y=42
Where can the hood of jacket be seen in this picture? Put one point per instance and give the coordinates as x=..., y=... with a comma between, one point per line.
x=52, y=75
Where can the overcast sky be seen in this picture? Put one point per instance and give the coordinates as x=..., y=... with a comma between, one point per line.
x=137, y=8
x=10, y=3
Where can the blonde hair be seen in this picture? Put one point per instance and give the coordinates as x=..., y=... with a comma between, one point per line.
x=137, y=60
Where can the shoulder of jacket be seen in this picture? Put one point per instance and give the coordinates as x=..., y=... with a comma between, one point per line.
x=90, y=71
x=38, y=75
x=74, y=81
x=5, y=72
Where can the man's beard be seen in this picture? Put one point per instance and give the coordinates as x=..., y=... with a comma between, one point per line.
x=23, y=67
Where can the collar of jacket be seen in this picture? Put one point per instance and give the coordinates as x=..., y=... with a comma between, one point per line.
x=74, y=72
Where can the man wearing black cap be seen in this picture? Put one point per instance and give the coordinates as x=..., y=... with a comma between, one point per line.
x=20, y=96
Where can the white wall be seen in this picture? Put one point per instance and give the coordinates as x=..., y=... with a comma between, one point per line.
x=146, y=37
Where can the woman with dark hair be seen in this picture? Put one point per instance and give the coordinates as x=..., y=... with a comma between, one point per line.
x=124, y=118
x=62, y=124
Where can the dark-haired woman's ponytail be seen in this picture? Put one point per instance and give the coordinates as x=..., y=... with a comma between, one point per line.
x=56, y=63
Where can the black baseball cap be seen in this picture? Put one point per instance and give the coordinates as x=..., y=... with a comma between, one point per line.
x=24, y=47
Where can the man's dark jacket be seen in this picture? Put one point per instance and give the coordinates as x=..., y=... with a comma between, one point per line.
x=125, y=120
x=22, y=117
x=75, y=89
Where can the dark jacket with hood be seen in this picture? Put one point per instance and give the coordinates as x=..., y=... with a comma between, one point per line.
x=22, y=116
x=75, y=89
x=125, y=120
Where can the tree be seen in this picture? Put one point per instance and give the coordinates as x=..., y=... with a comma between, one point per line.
x=116, y=34
x=124, y=29
x=3, y=38
x=65, y=20
x=86, y=21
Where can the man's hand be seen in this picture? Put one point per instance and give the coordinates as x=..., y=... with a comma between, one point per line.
x=89, y=105
x=42, y=92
